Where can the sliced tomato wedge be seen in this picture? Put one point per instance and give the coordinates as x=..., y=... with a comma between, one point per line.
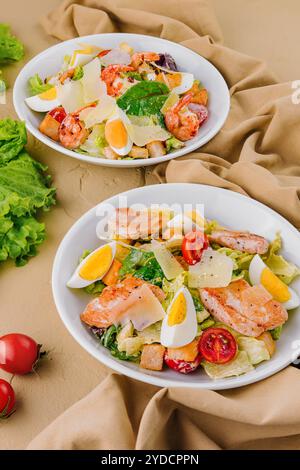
x=217, y=345
x=193, y=245
x=58, y=114
x=183, y=367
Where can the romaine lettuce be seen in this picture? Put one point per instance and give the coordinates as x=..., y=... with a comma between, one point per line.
x=11, y=49
x=255, y=348
x=95, y=143
x=284, y=269
x=37, y=86
x=12, y=139
x=238, y=366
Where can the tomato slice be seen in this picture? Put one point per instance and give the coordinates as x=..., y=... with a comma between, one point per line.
x=58, y=114
x=183, y=367
x=217, y=345
x=193, y=245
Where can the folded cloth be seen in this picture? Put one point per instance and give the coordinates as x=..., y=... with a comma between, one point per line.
x=124, y=414
x=256, y=153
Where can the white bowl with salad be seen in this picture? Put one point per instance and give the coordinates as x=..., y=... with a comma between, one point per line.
x=178, y=297
x=121, y=99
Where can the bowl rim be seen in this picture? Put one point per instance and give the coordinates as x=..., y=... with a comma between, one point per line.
x=119, y=163
x=219, y=384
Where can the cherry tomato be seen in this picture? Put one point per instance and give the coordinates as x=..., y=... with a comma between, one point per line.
x=19, y=353
x=103, y=53
x=7, y=399
x=183, y=367
x=217, y=345
x=58, y=114
x=193, y=245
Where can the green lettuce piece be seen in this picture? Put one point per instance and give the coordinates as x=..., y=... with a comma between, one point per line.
x=95, y=143
x=11, y=49
x=37, y=86
x=21, y=240
x=143, y=265
x=13, y=137
x=78, y=73
x=146, y=98
x=238, y=366
x=276, y=333
x=135, y=75
x=173, y=144
x=171, y=287
x=210, y=226
x=109, y=341
x=151, y=334
x=284, y=269
x=206, y=323
x=23, y=187
x=255, y=348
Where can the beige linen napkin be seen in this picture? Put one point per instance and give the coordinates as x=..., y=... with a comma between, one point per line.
x=256, y=153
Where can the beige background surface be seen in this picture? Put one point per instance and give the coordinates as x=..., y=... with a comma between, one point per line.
x=267, y=29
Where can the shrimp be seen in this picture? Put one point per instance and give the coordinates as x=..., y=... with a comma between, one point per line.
x=67, y=74
x=183, y=124
x=242, y=241
x=110, y=75
x=139, y=57
x=72, y=132
x=246, y=309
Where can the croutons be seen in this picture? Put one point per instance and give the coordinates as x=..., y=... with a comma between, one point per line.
x=138, y=152
x=156, y=148
x=152, y=357
x=110, y=154
x=50, y=127
x=187, y=353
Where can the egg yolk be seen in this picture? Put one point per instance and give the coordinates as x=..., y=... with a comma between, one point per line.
x=116, y=134
x=97, y=264
x=177, y=312
x=49, y=94
x=275, y=286
x=174, y=79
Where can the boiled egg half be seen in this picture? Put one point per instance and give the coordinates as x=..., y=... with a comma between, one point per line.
x=259, y=273
x=94, y=266
x=43, y=102
x=179, y=327
x=116, y=133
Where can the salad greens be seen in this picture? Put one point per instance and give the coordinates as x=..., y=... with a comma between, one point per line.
x=143, y=265
x=144, y=99
x=12, y=139
x=285, y=270
x=11, y=49
x=37, y=86
x=109, y=341
x=24, y=189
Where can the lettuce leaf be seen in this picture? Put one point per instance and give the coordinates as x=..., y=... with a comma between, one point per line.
x=173, y=144
x=284, y=269
x=11, y=49
x=37, y=86
x=255, y=348
x=95, y=143
x=240, y=365
x=12, y=139
x=146, y=98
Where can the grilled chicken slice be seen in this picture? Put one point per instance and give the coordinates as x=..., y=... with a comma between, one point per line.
x=242, y=241
x=231, y=305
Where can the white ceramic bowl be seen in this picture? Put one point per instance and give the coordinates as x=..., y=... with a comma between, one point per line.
x=230, y=209
x=48, y=62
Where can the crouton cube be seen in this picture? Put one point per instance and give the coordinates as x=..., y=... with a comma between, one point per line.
x=152, y=357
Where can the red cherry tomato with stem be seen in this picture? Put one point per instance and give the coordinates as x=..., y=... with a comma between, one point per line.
x=193, y=245
x=19, y=353
x=217, y=345
x=7, y=399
